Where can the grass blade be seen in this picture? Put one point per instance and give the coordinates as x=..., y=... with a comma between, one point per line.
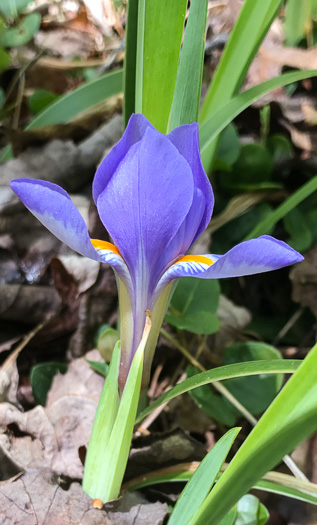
x=291, y=418
x=221, y=373
x=190, y=69
x=203, y=479
x=163, y=30
x=130, y=60
x=268, y=222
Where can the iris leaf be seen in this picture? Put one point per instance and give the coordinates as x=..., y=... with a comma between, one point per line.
x=190, y=68
x=219, y=374
x=203, y=479
x=291, y=418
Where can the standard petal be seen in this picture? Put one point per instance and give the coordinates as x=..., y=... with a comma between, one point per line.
x=146, y=201
x=134, y=132
x=186, y=140
x=247, y=258
x=53, y=207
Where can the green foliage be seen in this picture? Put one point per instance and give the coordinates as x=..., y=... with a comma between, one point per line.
x=194, y=305
x=202, y=481
x=12, y=8
x=254, y=393
x=277, y=366
x=106, y=340
x=4, y=59
x=100, y=368
x=291, y=418
x=297, y=18
x=159, y=40
x=22, y=33
x=40, y=99
x=190, y=68
x=216, y=406
x=41, y=378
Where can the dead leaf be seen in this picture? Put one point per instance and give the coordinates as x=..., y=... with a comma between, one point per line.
x=55, y=433
x=37, y=499
x=40, y=303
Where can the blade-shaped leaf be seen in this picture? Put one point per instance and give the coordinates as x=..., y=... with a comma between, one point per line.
x=163, y=30
x=190, y=68
x=203, y=479
x=221, y=373
x=291, y=418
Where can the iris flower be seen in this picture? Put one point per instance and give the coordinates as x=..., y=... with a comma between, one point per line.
x=154, y=199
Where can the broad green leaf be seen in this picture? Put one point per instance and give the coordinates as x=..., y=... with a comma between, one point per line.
x=11, y=8
x=254, y=164
x=41, y=378
x=40, y=99
x=130, y=60
x=193, y=306
x=254, y=20
x=254, y=393
x=203, y=479
x=291, y=418
x=106, y=340
x=71, y=104
x=250, y=511
x=5, y=60
x=219, y=374
x=215, y=405
x=296, y=225
x=2, y=98
x=289, y=204
x=190, y=68
x=297, y=18
x=106, y=414
x=22, y=33
x=163, y=30
x=212, y=126
x=229, y=148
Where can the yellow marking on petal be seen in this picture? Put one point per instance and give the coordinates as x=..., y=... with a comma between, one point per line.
x=104, y=245
x=195, y=258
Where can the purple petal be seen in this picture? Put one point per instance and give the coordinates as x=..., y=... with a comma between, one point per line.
x=247, y=258
x=146, y=200
x=186, y=140
x=53, y=207
x=134, y=132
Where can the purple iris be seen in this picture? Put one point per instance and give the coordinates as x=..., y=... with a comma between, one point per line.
x=154, y=199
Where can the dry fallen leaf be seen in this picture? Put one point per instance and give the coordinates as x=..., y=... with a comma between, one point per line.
x=304, y=280
x=37, y=499
x=55, y=433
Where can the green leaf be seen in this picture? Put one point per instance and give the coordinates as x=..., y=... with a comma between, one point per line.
x=22, y=33
x=250, y=511
x=106, y=414
x=193, y=306
x=40, y=99
x=219, y=374
x=298, y=227
x=5, y=60
x=230, y=518
x=2, y=98
x=229, y=148
x=254, y=393
x=100, y=368
x=254, y=20
x=291, y=418
x=11, y=8
x=212, y=126
x=106, y=340
x=297, y=17
x=289, y=204
x=71, y=104
x=203, y=479
x=41, y=378
x=130, y=60
x=215, y=405
x=163, y=29
x=190, y=68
